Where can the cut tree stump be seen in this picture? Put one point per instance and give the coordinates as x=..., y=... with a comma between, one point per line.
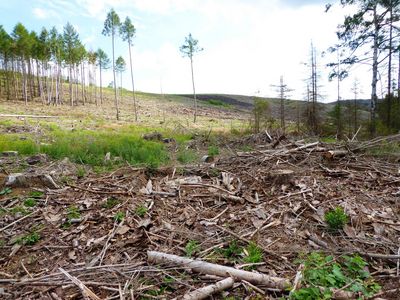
x=331, y=154
x=280, y=176
x=218, y=270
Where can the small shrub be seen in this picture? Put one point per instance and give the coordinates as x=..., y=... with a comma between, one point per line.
x=191, y=248
x=336, y=219
x=141, y=210
x=80, y=172
x=30, y=202
x=213, y=151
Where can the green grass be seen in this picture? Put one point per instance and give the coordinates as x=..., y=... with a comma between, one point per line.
x=90, y=147
x=29, y=239
x=186, y=156
x=254, y=254
x=30, y=202
x=141, y=211
x=111, y=202
x=213, y=150
x=119, y=216
x=191, y=248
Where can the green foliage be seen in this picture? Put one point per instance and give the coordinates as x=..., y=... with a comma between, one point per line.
x=19, y=209
x=36, y=194
x=29, y=239
x=347, y=273
x=254, y=254
x=111, y=202
x=232, y=252
x=73, y=213
x=216, y=102
x=141, y=210
x=5, y=191
x=30, y=202
x=191, y=248
x=186, y=156
x=261, y=112
x=213, y=150
x=336, y=219
x=80, y=172
x=119, y=216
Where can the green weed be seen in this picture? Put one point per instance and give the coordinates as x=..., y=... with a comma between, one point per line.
x=141, y=210
x=80, y=172
x=18, y=209
x=119, y=216
x=29, y=239
x=254, y=254
x=213, y=151
x=73, y=213
x=186, y=156
x=336, y=219
x=232, y=252
x=323, y=273
x=36, y=194
x=191, y=248
x=111, y=202
x=5, y=191
x=30, y=202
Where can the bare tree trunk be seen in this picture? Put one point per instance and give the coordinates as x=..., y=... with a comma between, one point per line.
x=389, y=103
x=71, y=98
x=83, y=82
x=374, y=97
x=115, y=82
x=133, y=85
x=101, y=88
x=194, y=91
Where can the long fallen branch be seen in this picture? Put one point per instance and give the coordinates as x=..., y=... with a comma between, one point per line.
x=84, y=289
x=218, y=270
x=207, y=291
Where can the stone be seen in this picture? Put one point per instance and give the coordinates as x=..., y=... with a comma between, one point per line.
x=9, y=153
x=36, y=159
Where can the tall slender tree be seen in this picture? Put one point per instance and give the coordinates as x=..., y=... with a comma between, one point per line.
x=283, y=91
x=104, y=63
x=127, y=31
x=111, y=26
x=120, y=67
x=189, y=49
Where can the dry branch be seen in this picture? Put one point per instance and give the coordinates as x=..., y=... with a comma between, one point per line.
x=84, y=289
x=214, y=269
x=207, y=291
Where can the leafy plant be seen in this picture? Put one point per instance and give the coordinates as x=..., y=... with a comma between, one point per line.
x=111, y=202
x=30, y=202
x=254, y=254
x=119, y=216
x=29, y=239
x=323, y=273
x=5, y=191
x=336, y=219
x=191, y=248
x=232, y=252
x=141, y=210
x=73, y=213
x=213, y=150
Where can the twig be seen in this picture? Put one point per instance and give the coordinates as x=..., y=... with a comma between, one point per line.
x=86, y=292
x=16, y=221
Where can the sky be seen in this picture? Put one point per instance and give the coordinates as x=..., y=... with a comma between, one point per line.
x=248, y=44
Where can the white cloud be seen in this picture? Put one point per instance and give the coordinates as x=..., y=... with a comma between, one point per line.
x=41, y=13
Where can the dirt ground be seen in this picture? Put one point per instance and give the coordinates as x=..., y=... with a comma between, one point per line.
x=275, y=197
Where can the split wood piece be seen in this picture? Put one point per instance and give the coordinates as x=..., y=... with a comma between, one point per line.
x=331, y=154
x=280, y=176
x=207, y=291
x=214, y=269
x=87, y=293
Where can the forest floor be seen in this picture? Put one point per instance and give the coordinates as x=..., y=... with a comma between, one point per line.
x=259, y=211
x=259, y=206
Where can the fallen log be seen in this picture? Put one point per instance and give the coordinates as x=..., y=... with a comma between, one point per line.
x=222, y=271
x=207, y=291
x=335, y=153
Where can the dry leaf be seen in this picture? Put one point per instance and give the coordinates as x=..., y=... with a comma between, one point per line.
x=122, y=229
